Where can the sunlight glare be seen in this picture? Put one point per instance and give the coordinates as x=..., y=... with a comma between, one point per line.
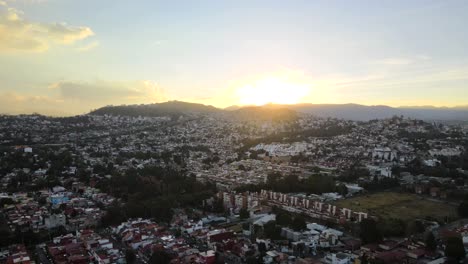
x=272, y=90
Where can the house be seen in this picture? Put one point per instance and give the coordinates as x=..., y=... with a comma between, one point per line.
x=55, y=220
x=208, y=257
x=338, y=258
x=271, y=257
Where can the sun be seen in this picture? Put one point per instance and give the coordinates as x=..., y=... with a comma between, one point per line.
x=272, y=90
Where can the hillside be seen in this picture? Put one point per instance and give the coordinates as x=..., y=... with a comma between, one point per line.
x=158, y=109
x=289, y=112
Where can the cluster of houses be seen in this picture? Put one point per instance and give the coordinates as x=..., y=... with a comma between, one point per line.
x=84, y=247
x=16, y=254
x=146, y=237
x=59, y=208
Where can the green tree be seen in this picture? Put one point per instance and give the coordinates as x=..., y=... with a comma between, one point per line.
x=392, y=227
x=272, y=231
x=160, y=257
x=283, y=218
x=430, y=241
x=454, y=249
x=130, y=256
x=298, y=223
x=414, y=227
x=369, y=231
x=342, y=189
x=244, y=213
x=463, y=209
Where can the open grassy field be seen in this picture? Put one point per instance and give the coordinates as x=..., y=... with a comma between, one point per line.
x=404, y=206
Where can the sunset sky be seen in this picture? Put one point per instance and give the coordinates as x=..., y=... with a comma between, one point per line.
x=63, y=57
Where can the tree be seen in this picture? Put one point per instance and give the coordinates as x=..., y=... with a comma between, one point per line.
x=251, y=258
x=42, y=201
x=113, y=216
x=463, y=209
x=283, y=218
x=431, y=243
x=369, y=231
x=218, y=206
x=130, y=256
x=298, y=223
x=415, y=227
x=454, y=249
x=244, y=213
x=6, y=201
x=392, y=227
x=253, y=155
x=262, y=247
x=272, y=231
x=160, y=257
x=342, y=189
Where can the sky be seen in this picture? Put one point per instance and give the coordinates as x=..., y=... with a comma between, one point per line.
x=64, y=57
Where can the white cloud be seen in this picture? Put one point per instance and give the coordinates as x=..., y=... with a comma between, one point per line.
x=108, y=92
x=12, y=102
x=71, y=97
x=19, y=34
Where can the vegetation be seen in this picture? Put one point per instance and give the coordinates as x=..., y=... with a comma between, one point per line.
x=463, y=209
x=244, y=213
x=287, y=219
x=430, y=241
x=173, y=108
x=272, y=231
x=380, y=185
x=404, y=206
x=454, y=249
x=160, y=257
x=153, y=192
x=369, y=232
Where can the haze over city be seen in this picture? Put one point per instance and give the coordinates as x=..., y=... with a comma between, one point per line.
x=69, y=57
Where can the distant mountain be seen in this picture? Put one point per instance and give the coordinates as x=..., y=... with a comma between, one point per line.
x=286, y=112
x=158, y=109
x=363, y=112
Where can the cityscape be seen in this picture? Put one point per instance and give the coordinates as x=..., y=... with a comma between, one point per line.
x=232, y=132
x=211, y=186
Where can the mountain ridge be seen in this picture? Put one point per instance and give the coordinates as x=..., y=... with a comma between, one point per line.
x=350, y=111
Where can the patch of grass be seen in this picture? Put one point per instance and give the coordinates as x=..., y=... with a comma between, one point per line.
x=403, y=206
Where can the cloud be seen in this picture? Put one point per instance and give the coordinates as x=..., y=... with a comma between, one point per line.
x=106, y=92
x=88, y=47
x=65, y=34
x=12, y=102
x=19, y=34
x=71, y=97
